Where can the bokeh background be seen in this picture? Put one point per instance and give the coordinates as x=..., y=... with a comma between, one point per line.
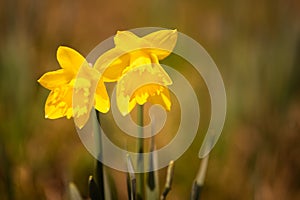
x=256, y=45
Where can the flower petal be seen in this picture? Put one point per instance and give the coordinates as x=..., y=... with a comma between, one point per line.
x=160, y=71
x=69, y=59
x=162, y=42
x=101, y=98
x=162, y=99
x=128, y=41
x=83, y=94
x=139, y=58
x=59, y=103
x=58, y=78
x=143, y=93
x=111, y=64
x=114, y=71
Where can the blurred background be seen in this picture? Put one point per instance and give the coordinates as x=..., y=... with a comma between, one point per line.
x=255, y=44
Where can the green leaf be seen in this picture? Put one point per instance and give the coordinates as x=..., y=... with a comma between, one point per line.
x=131, y=180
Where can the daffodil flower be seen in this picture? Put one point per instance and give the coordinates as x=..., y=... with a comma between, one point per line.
x=64, y=82
x=140, y=78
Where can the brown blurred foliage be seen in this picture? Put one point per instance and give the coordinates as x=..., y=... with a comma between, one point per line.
x=256, y=45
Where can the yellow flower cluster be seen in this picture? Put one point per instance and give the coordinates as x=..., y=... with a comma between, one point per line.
x=133, y=63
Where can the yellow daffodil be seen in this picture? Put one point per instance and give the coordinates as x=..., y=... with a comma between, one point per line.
x=63, y=81
x=140, y=78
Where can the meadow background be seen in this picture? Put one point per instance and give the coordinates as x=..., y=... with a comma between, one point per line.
x=255, y=44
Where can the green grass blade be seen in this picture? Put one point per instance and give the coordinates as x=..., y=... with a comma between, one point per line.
x=199, y=181
x=94, y=190
x=73, y=192
x=152, y=186
x=169, y=179
x=196, y=191
x=131, y=180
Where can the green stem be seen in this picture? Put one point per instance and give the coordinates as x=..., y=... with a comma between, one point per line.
x=140, y=147
x=99, y=166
